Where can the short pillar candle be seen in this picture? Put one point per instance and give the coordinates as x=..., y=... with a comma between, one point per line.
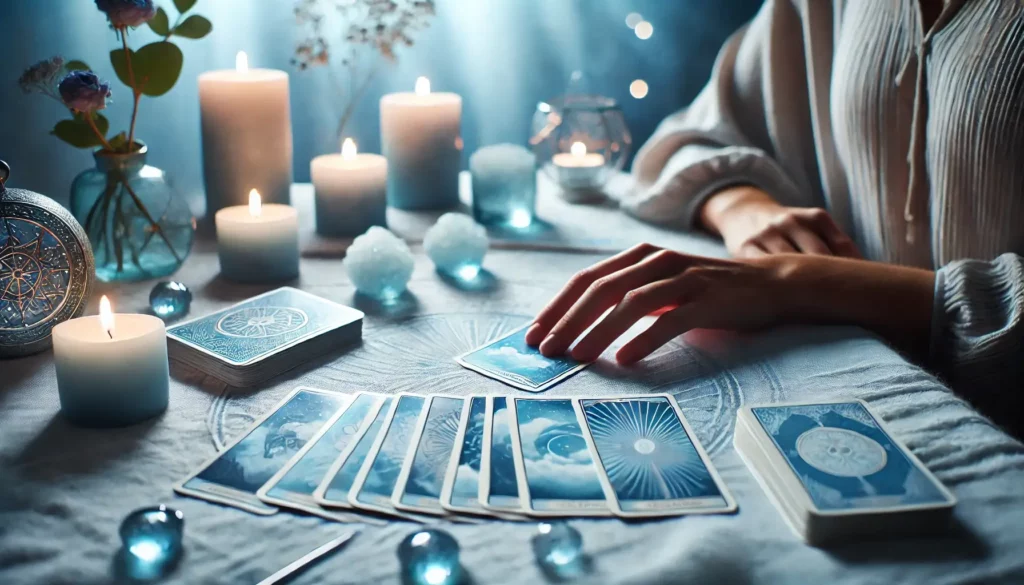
x=349, y=191
x=258, y=243
x=421, y=138
x=112, y=369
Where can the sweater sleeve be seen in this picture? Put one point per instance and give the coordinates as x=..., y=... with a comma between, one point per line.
x=977, y=333
x=724, y=137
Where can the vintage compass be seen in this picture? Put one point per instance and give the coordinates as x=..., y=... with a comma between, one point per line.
x=46, y=268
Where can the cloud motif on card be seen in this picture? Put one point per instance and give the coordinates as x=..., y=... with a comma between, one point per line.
x=512, y=358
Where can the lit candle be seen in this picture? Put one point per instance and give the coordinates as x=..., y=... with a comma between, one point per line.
x=247, y=134
x=258, y=242
x=578, y=157
x=349, y=191
x=420, y=134
x=579, y=171
x=111, y=369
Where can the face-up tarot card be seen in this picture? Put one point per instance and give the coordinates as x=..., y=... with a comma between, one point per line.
x=235, y=474
x=337, y=482
x=558, y=476
x=419, y=485
x=499, y=488
x=461, y=489
x=651, y=463
x=293, y=486
x=512, y=361
x=845, y=460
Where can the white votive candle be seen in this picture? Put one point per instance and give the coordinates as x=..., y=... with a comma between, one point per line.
x=421, y=138
x=349, y=191
x=579, y=170
x=258, y=242
x=111, y=369
x=247, y=135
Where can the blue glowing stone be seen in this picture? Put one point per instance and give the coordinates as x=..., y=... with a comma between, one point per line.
x=559, y=549
x=457, y=245
x=170, y=300
x=430, y=557
x=152, y=538
x=379, y=264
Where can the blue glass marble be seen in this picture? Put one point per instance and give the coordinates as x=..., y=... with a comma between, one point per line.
x=559, y=550
x=430, y=557
x=170, y=300
x=504, y=185
x=152, y=540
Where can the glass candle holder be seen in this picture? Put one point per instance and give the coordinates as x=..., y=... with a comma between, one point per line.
x=504, y=185
x=580, y=141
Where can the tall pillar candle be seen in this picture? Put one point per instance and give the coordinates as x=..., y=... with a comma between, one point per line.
x=111, y=369
x=258, y=243
x=349, y=191
x=247, y=135
x=421, y=138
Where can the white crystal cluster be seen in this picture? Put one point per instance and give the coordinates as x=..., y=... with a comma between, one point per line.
x=457, y=245
x=379, y=264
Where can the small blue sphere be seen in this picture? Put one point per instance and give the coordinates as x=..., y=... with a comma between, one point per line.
x=559, y=549
x=170, y=300
x=430, y=557
x=152, y=538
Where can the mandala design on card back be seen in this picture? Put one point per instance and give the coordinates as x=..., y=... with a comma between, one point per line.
x=841, y=452
x=262, y=322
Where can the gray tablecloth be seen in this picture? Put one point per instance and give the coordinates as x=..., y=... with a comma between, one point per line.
x=64, y=490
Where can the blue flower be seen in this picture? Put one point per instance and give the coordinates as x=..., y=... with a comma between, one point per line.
x=122, y=13
x=82, y=91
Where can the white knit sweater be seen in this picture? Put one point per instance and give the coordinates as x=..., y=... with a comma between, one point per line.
x=912, y=139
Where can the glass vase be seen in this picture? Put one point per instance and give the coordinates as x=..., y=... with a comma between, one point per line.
x=138, y=225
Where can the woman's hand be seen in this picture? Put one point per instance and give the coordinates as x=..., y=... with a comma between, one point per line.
x=711, y=293
x=752, y=224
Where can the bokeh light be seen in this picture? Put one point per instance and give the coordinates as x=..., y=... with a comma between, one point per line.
x=644, y=30
x=633, y=19
x=638, y=89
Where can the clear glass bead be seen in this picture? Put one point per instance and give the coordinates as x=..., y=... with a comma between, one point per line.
x=559, y=549
x=170, y=300
x=152, y=539
x=430, y=557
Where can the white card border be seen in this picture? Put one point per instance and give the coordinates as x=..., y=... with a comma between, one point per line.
x=536, y=389
x=484, y=487
x=202, y=495
x=609, y=490
x=403, y=475
x=320, y=493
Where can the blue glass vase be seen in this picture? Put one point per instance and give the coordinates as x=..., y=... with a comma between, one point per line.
x=137, y=224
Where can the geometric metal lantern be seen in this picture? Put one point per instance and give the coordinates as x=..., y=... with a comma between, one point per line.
x=46, y=268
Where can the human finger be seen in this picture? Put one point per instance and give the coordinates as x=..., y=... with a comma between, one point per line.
x=822, y=223
x=808, y=241
x=774, y=242
x=665, y=329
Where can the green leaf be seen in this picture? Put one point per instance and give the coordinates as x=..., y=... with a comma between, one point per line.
x=119, y=143
x=157, y=67
x=193, y=27
x=76, y=65
x=78, y=133
x=160, y=24
x=184, y=6
x=120, y=63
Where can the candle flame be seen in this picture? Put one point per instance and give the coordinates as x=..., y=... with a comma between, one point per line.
x=578, y=149
x=255, y=203
x=241, y=62
x=106, y=316
x=348, y=149
x=422, y=86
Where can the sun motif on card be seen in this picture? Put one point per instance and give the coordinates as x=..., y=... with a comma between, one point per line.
x=262, y=322
x=34, y=273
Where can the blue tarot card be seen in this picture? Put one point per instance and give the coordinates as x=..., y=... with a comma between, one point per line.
x=236, y=473
x=512, y=361
x=294, y=484
x=376, y=480
x=262, y=326
x=558, y=472
x=846, y=460
x=499, y=488
x=419, y=487
x=337, y=482
x=462, y=482
x=650, y=459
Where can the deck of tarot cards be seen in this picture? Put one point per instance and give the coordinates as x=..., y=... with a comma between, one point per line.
x=264, y=336
x=836, y=474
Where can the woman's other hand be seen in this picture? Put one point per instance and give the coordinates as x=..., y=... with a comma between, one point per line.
x=752, y=224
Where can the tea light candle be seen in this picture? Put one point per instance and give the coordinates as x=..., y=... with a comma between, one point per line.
x=579, y=170
x=111, y=369
x=349, y=191
x=420, y=134
x=258, y=242
x=247, y=135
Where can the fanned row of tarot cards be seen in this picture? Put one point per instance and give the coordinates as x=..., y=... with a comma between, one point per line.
x=414, y=457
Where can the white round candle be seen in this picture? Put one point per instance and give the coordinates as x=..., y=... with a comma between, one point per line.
x=579, y=172
x=421, y=138
x=247, y=135
x=111, y=369
x=258, y=242
x=349, y=191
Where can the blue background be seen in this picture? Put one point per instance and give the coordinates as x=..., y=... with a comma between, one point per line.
x=502, y=56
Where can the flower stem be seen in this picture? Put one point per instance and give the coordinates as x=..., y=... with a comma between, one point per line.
x=136, y=94
x=159, y=230
x=92, y=124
